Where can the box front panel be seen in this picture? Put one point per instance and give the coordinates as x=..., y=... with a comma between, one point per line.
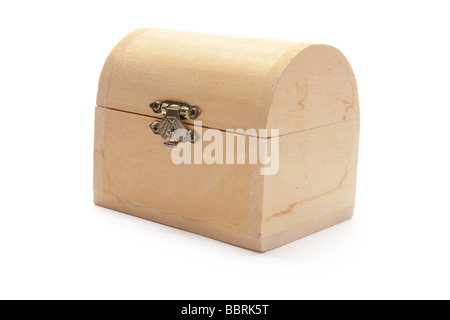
x=137, y=169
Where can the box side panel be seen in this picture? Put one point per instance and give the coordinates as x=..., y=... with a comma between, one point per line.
x=99, y=139
x=316, y=89
x=316, y=180
x=306, y=229
x=140, y=178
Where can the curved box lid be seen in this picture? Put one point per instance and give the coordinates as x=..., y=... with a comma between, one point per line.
x=238, y=83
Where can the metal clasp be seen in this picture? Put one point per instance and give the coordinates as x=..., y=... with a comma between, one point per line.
x=170, y=126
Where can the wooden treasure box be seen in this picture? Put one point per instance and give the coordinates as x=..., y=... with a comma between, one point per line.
x=156, y=84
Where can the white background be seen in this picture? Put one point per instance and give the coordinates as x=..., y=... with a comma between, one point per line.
x=54, y=243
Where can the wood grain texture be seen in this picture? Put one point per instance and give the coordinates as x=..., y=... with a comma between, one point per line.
x=306, y=91
x=316, y=89
x=317, y=177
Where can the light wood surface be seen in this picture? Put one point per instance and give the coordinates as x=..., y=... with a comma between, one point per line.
x=306, y=91
x=317, y=177
x=137, y=168
x=316, y=89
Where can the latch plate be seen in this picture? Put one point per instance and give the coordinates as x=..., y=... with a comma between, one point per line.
x=170, y=127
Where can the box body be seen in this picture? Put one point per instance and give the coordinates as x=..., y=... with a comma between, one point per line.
x=307, y=92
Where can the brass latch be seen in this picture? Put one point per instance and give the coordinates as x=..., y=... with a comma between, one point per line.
x=170, y=126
